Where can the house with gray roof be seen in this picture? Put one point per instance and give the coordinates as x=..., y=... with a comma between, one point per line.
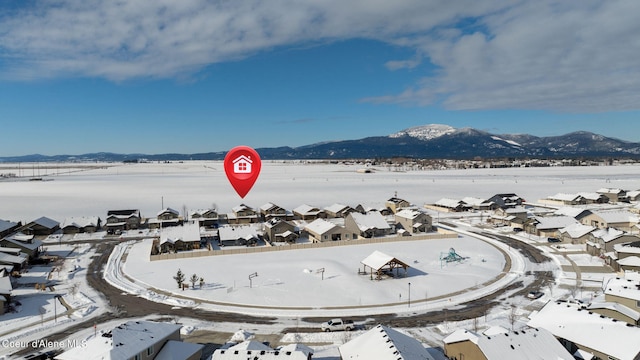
x=41, y=226
x=7, y=227
x=27, y=244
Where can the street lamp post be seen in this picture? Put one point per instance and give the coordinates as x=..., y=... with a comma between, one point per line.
x=409, y=299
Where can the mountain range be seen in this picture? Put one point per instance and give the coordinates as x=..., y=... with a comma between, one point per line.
x=432, y=141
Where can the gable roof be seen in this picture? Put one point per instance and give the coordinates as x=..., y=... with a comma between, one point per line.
x=336, y=208
x=133, y=337
x=384, y=343
x=6, y=225
x=305, y=209
x=377, y=260
x=409, y=213
x=12, y=259
x=588, y=329
x=320, y=226
x=241, y=207
x=168, y=210
x=369, y=221
x=554, y=222
x=577, y=230
x=46, y=222
x=80, y=221
x=616, y=216
x=245, y=232
x=607, y=234
x=617, y=308
x=187, y=232
x=174, y=349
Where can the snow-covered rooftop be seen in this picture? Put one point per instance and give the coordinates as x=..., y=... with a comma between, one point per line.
x=5, y=225
x=319, y=226
x=335, y=208
x=615, y=307
x=449, y=203
x=174, y=349
x=629, y=248
x=592, y=330
x=384, y=343
x=577, y=230
x=371, y=220
x=305, y=209
x=237, y=232
x=241, y=207
x=607, y=234
x=617, y=216
x=168, y=211
x=623, y=287
x=554, y=222
x=80, y=221
x=187, y=232
x=46, y=222
x=408, y=213
x=5, y=285
x=377, y=260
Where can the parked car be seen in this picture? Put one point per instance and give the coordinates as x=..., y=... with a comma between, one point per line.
x=535, y=295
x=338, y=325
x=553, y=240
x=517, y=229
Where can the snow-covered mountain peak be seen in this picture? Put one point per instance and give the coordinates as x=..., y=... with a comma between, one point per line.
x=425, y=132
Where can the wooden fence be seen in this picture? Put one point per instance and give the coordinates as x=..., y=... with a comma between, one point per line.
x=441, y=234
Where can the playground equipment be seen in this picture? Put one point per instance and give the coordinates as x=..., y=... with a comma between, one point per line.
x=451, y=256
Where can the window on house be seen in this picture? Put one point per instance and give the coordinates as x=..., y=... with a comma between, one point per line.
x=242, y=166
x=150, y=351
x=325, y=237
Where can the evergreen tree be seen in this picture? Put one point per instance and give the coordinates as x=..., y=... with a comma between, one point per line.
x=179, y=278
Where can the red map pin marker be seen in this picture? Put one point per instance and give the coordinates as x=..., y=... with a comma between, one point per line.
x=242, y=165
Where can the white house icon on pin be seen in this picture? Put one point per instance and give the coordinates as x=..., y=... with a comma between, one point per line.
x=242, y=165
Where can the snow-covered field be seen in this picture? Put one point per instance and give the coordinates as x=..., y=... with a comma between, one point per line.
x=286, y=278
x=198, y=185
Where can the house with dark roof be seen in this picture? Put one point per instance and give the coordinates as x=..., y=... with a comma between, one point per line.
x=506, y=200
x=8, y=227
x=41, y=226
x=120, y=220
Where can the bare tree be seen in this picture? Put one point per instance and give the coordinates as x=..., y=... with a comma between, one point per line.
x=201, y=282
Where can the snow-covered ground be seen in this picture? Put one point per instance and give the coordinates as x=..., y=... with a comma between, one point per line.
x=289, y=278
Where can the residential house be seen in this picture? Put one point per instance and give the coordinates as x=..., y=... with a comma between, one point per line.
x=5, y=291
x=41, y=226
x=383, y=343
x=17, y=261
x=8, y=227
x=506, y=200
x=548, y=225
x=395, y=204
x=27, y=244
x=321, y=230
x=626, y=257
x=270, y=210
x=205, y=217
x=479, y=204
x=581, y=198
x=513, y=217
x=633, y=195
x=367, y=225
x=308, y=213
x=179, y=238
x=625, y=291
x=167, y=217
x=82, y=224
x=255, y=350
x=278, y=230
x=580, y=329
x=616, y=311
x=614, y=195
x=602, y=241
x=242, y=214
x=139, y=340
x=618, y=219
x=452, y=205
x=414, y=221
x=338, y=210
x=522, y=344
x=120, y=220
x=243, y=235
x=381, y=208
x=576, y=233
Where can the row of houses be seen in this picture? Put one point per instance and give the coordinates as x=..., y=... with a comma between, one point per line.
x=561, y=329
x=498, y=201
x=600, y=196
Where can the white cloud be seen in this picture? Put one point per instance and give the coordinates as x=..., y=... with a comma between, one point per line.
x=566, y=56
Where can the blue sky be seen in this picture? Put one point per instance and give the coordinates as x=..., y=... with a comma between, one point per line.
x=79, y=76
